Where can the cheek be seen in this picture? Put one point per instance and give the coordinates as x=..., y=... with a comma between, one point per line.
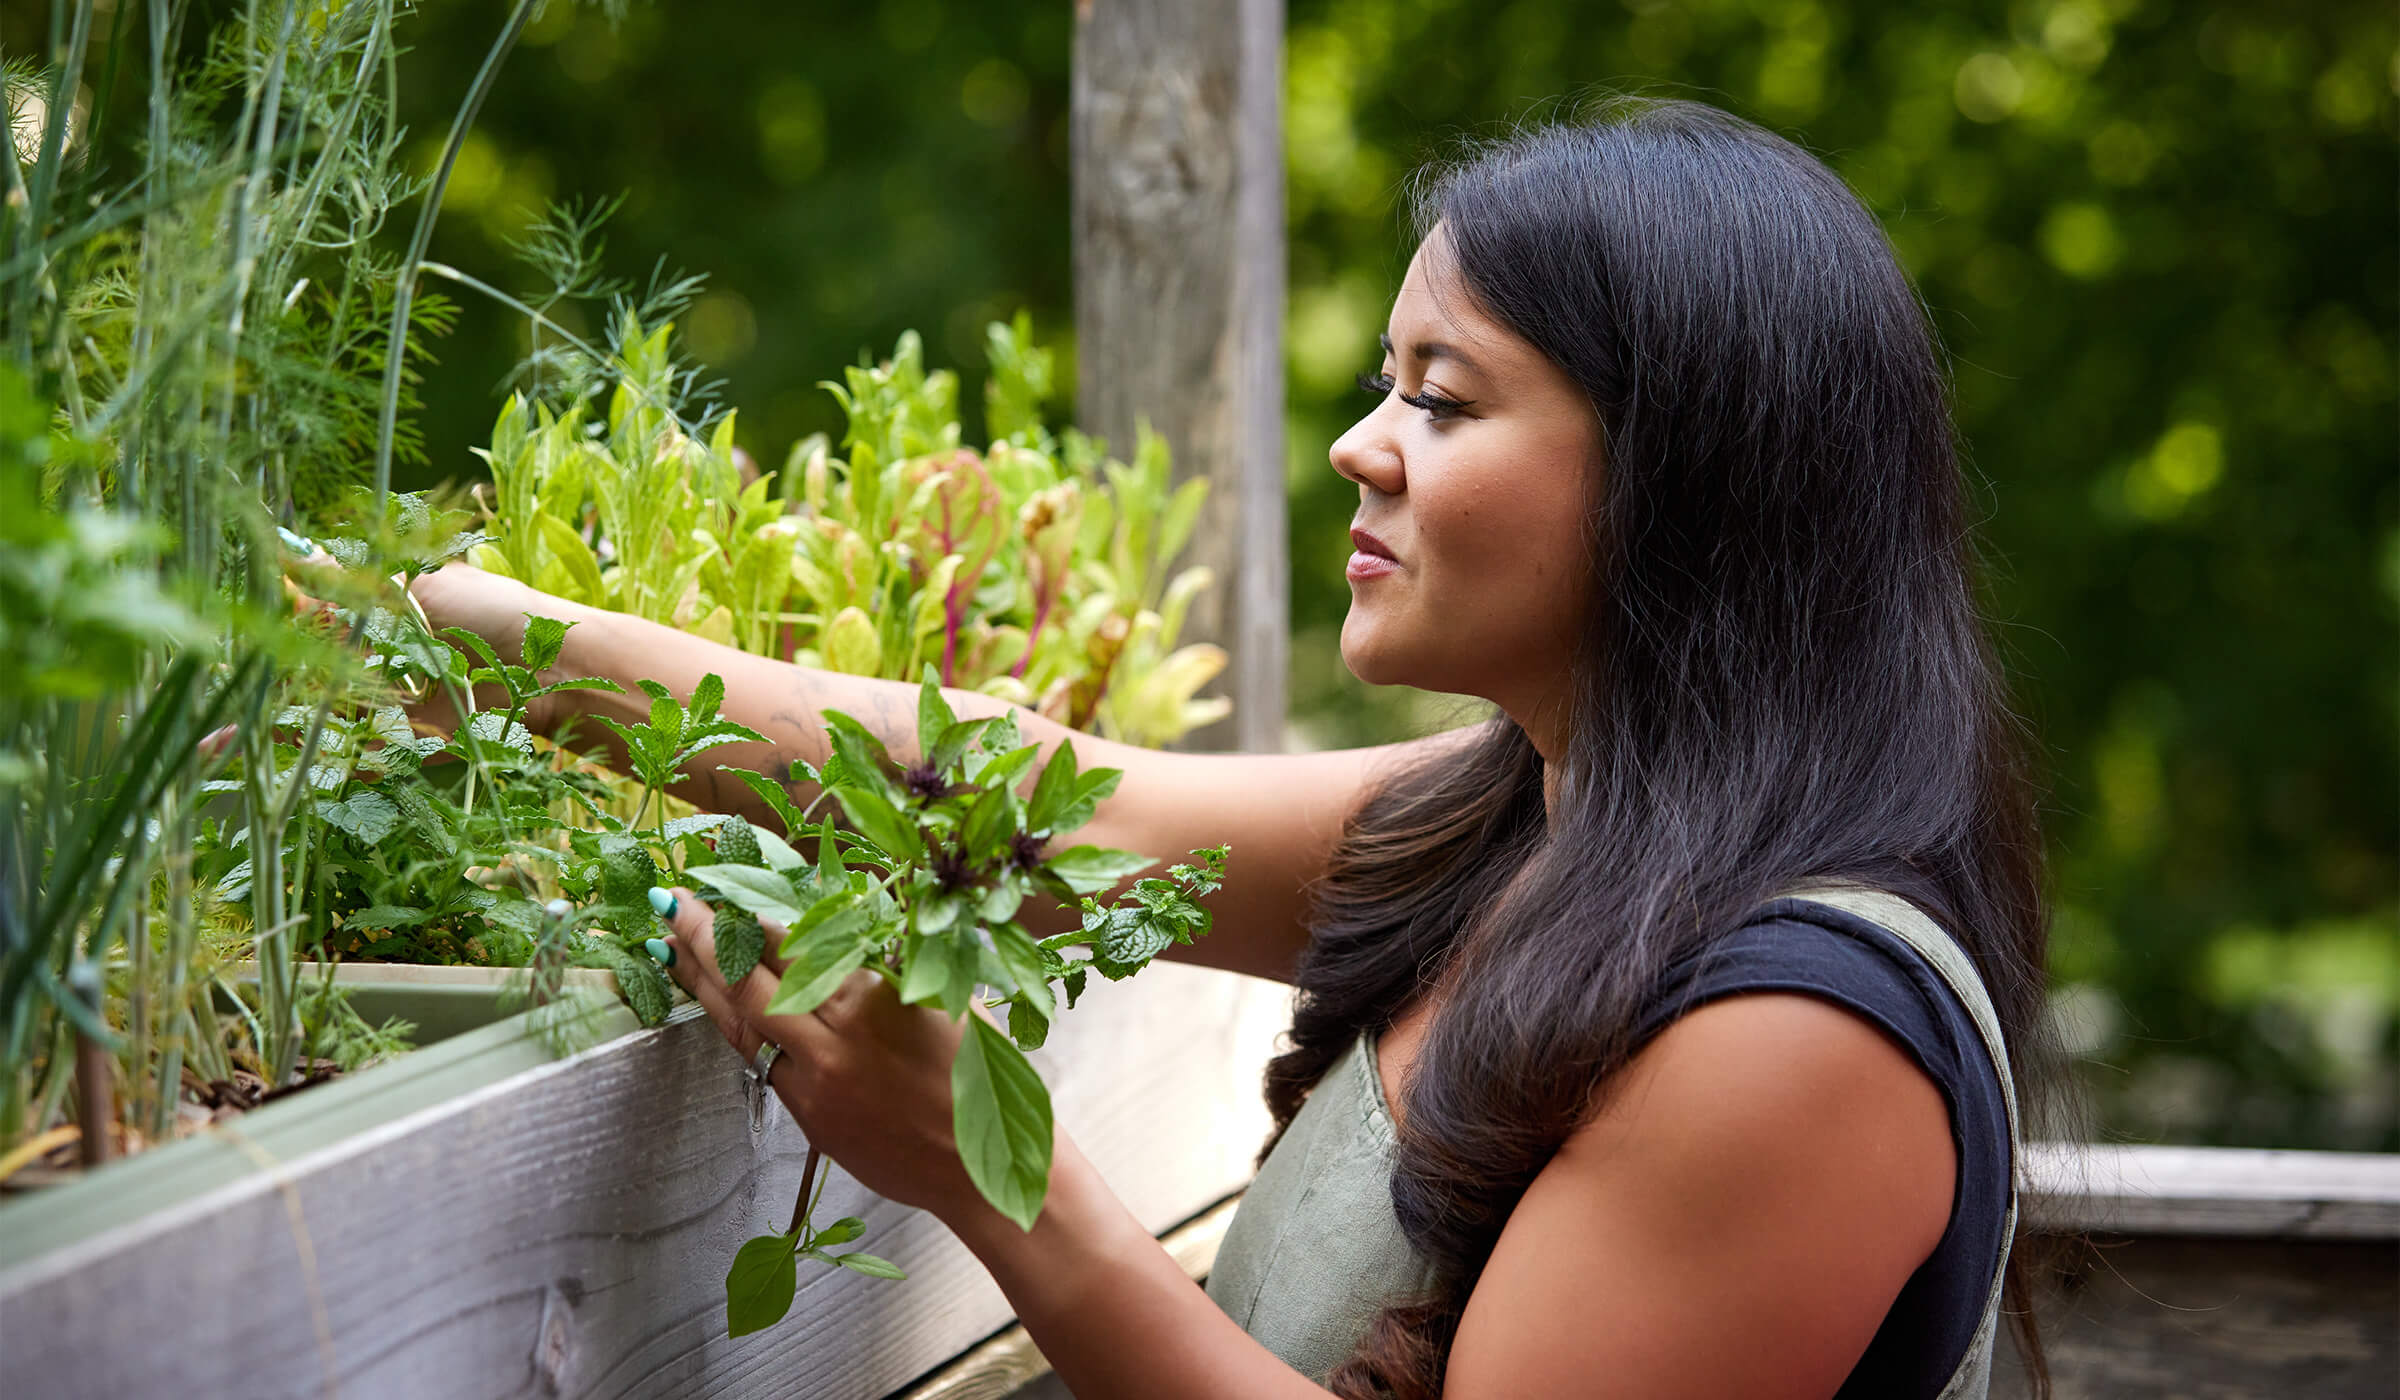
x=1511, y=550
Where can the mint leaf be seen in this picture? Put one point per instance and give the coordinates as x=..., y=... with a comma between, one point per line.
x=1026, y=1026
x=1001, y=1116
x=706, y=698
x=543, y=638
x=739, y=942
x=760, y=1285
x=645, y=988
x=681, y=827
x=770, y=792
x=367, y=816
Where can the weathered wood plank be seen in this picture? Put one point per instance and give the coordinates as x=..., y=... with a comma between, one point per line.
x=1010, y=1363
x=566, y=1231
x=1176, y=135
x=2212, y=1191
x=2169, y=1318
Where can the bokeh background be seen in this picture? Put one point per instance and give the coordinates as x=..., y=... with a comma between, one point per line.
x=2158, y=238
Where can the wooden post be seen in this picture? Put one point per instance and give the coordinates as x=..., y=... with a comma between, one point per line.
x=1177, y=121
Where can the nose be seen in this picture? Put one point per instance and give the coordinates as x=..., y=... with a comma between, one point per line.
x=1368, y=455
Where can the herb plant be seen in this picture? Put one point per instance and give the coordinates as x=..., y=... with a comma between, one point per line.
x=922, y=886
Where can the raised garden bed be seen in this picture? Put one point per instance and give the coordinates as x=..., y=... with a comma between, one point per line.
x=479, y=1218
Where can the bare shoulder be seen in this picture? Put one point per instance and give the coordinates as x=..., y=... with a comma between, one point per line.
x=1769, y=1171
x=1282, y=814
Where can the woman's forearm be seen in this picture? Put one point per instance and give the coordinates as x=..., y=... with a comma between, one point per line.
x=1110, y=1309
x=782, y=701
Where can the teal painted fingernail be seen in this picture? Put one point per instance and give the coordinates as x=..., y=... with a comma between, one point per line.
x=298, y=544
x=659, y=951
x=662, y=903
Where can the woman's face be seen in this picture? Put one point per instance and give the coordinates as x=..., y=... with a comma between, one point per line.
x=1476, y=492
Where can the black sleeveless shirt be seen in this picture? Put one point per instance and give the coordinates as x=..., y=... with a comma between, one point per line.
x=1794, y=945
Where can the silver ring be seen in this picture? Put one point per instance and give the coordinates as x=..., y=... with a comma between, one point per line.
x=764, y=1060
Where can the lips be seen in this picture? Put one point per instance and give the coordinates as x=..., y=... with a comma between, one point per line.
x=1373, y=560
x=1367, y=544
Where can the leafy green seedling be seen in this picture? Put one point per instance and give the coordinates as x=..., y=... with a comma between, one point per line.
x=922, y=886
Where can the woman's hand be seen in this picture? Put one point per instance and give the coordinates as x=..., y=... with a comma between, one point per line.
x=492, y=606
x=867, y=1078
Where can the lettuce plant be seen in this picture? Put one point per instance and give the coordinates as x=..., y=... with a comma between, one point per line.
x=1036, y=569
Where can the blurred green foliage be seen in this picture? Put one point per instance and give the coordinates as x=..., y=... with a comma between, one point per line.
x=2159, y=240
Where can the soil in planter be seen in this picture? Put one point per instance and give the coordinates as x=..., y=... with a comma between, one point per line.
x=58, y=1158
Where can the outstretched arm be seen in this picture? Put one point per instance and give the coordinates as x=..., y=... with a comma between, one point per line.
x=1281, y=813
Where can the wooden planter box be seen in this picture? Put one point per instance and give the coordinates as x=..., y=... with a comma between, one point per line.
x=479, y=1218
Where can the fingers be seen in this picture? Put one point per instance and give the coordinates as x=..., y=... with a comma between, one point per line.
x=740, y=1011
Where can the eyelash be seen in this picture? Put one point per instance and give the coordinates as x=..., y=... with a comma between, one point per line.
x=1439, y=407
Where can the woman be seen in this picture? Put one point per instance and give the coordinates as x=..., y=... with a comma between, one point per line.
x=1631, y=1056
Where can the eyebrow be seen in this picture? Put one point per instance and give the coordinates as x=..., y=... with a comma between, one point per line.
x=1435, y=350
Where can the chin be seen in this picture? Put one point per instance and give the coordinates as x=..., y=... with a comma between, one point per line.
x=1374, y=659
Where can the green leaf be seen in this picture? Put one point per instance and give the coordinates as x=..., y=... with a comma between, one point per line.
x=737, y=843
x=739, y=942
x=643, y=747
x=822, y=950
x=473, y=643
x=882, y=824
x=770, y=792
x=706, y=698
x=543, y=638
x=765, y=893
x=1091, y=869
x=1090, y=790
x=626, y=874
x=386, y=916
x=580, y=683
x=681, y=827
x=1128, y=941
x=760, y=1285
x=1023, y=960
x=842, y=1231
x=859, y=1261
x=1003, y=770
x=989, y=825
x=864, y=760
x=1026, y=1026
x=829, y=854
x=1001, y=901
x=494, y=728
x=777, y=852
x=939, y=912
x=1053, y=790
x=934, y=716
x=1001, y=1117
x=645, y=988
x=366, y=816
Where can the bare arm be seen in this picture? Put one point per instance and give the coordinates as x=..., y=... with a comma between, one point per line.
x=1281, y=813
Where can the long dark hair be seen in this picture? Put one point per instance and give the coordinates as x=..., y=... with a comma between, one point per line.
x=1784, y=678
